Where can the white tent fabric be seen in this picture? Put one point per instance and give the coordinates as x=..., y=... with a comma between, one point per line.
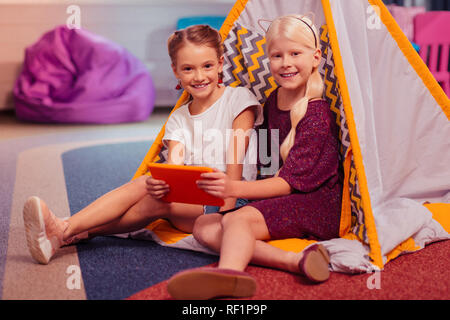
x=403, y=134
x=399, y=124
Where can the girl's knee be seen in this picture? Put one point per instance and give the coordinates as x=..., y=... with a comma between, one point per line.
x=150, y=207
x=231, y=218
x=137, y=186
x=206, y=227
x=247, y=217
x=242, y=215
x=141, y=181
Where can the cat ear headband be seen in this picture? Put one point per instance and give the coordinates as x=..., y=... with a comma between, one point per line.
x=300, y=19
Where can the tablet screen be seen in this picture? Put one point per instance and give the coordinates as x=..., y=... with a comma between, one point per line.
x=182, y=182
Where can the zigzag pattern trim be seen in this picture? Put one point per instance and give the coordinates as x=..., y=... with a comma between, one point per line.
x=230, y=44
x=359, y=228
x=332, y=95
x=245, y=62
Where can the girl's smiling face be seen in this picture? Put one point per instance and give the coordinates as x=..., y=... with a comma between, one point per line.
x=292, y=63
x=198, y=67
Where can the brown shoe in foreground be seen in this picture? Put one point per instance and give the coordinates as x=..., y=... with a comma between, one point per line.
x=208, y=283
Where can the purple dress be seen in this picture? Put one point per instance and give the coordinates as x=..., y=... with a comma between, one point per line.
x=313, y=209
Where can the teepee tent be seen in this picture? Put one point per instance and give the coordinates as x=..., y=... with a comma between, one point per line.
x=394, y=124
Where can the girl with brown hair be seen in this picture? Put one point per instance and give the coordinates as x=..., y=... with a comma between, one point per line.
x=196, y=54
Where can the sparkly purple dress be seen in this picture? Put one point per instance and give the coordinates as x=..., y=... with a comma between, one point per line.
x=313, y=209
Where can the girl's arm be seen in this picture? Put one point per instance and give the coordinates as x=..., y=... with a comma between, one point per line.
x=159, y=188
x=237, y=149
x=220, y=185
x=175, y=153
x=261, y=189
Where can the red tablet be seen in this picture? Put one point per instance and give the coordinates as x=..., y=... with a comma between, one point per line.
x=182, y=182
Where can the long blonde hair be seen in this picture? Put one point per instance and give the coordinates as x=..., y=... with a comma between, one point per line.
x=298, y=28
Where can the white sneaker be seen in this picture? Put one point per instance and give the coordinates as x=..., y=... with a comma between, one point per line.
x=44, y=231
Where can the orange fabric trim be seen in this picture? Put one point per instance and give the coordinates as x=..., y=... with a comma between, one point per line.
x=234, y=14
x=157, y=144
x=413, y=57
x=406, y=246
x=166, y=232
x=375, y=249
x=441, y=213
x=292, y=244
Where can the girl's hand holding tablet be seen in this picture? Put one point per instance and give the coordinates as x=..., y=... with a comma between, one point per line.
x=216, y=183
x=157, y=188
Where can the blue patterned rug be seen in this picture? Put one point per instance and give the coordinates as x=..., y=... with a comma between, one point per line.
x=116, y=268
x=69, y=171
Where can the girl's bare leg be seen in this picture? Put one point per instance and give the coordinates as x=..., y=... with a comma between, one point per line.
x=107, y=208
x=238, y=235
x=208, y=231
x=129, y=208
x=147, y=210
x=241, y=229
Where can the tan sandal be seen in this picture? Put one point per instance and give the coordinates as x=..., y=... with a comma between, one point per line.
x=314, y=263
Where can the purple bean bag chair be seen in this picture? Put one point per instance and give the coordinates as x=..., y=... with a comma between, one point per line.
x=74, y=76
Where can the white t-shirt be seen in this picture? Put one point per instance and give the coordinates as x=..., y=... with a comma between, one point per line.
x=206, y=136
